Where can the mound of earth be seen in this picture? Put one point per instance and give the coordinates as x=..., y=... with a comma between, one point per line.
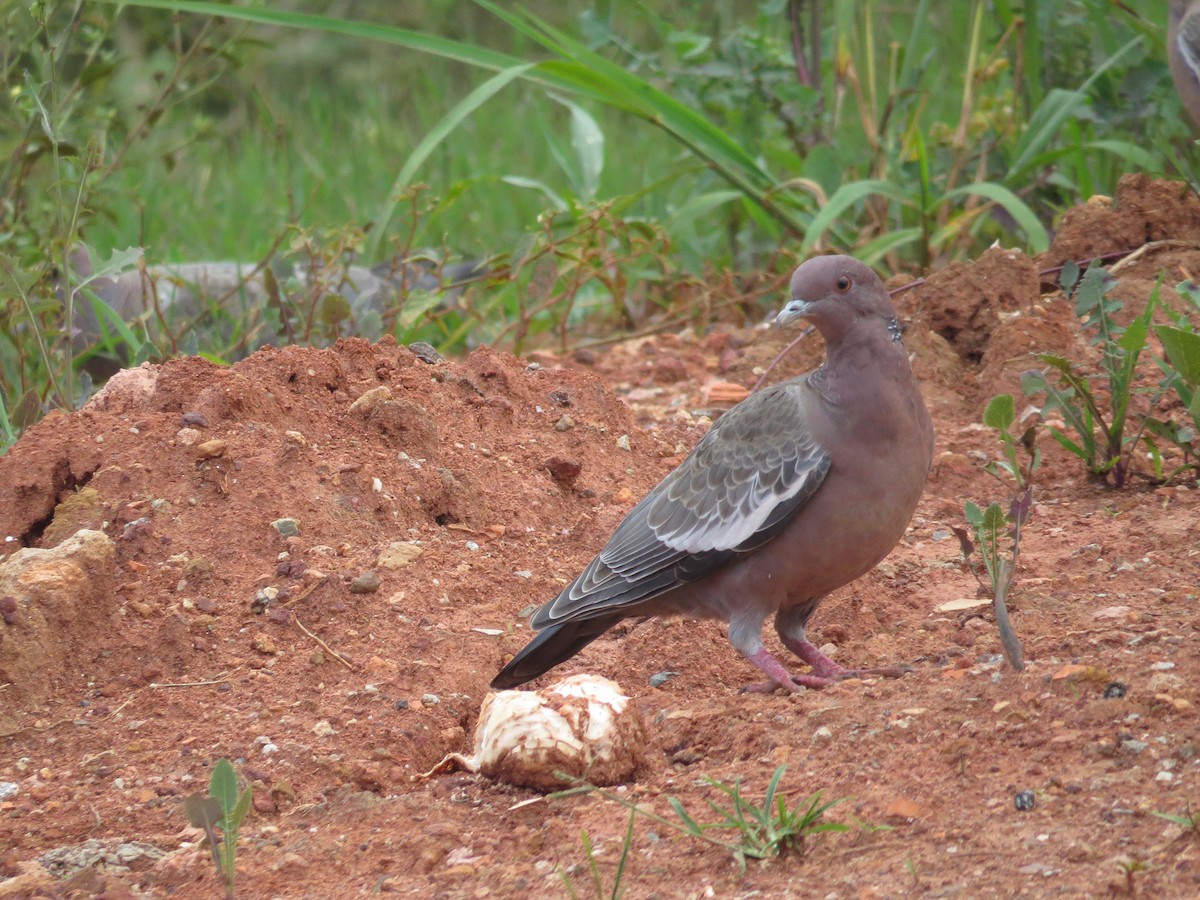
x=317, y=559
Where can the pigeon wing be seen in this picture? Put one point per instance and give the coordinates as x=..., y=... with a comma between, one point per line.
x=742, y=484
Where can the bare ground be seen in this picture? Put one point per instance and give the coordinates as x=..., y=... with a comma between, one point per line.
x=508, y=478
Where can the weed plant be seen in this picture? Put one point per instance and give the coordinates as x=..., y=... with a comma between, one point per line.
x=1114, y=409
x=759, y=831
x=220, y=815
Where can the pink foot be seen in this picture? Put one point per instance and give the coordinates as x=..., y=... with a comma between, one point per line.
x=781, y=677
x=825, y=668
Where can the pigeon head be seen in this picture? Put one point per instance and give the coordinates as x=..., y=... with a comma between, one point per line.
x=837, y=293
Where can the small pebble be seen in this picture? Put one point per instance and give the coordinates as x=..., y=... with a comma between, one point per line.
x=430, y=699
x=658, y=679
x=366, y=583
x=211, y=449
x=1115, y=690
x=425, y=352
x=286, y=527
x=1024, y=801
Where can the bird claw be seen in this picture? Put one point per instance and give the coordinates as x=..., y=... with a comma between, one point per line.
x=795, y=684
x=897, y=671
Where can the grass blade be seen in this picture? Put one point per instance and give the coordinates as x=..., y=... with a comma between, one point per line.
x=455, y=117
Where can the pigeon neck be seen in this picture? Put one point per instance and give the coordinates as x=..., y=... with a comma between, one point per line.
x=893, y=328
x=862, y=349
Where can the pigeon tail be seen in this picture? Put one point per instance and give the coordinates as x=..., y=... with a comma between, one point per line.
x=551, y=646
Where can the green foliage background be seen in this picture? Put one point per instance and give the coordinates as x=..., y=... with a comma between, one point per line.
x=609, y=159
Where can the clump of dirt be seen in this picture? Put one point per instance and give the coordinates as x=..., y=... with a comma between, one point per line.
x=322, y=558
x=1145, y=210
x=965, y=301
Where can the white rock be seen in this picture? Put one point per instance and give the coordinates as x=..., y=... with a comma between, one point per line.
x=583, y=726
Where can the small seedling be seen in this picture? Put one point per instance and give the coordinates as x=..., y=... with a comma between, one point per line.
x=1131, y=867
x=1189, y=820
x=1100, y=438
x=221, y=811
x=1000, y=414
x=990, y=527
x=1181, y=373
x=763, y=831
x=594, y=867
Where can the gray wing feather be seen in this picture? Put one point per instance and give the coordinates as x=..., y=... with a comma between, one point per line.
x=745, y=479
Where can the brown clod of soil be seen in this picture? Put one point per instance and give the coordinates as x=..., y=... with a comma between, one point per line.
x=963, y=302
x=1146, y=209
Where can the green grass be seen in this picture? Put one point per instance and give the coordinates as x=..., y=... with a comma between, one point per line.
x=323, y=154
x=935, y=129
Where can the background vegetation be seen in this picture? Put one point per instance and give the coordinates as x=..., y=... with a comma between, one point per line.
x=617, y=164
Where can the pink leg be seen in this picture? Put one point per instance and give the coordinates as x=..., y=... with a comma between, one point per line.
x=780, y=677
x=825, y=668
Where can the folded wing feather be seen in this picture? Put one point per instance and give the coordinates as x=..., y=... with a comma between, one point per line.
x=744, y=481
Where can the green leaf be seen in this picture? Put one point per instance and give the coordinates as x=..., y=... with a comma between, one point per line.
x=1044, y=126
x=416, y=306
x=587, y=140
x=1069, y=445
x=692, y=825
x=1134, y=338
x=1182, y=349
x=1000, y=412
x=118, y=263
x=843, y=198
x=332, y=310
x=203, y=812
x=697, y=206
x=533, y=184
x=455, y=117
x=1058, y=363
x=1033, y=382
x=1136, y=156
x=1089, y=293
x=873, y=251
x=108, y=318
x=224, y=786
x=234, y=820
x=994, y=519
x=973, y=514
x=1025, y=217
x=1047, y=120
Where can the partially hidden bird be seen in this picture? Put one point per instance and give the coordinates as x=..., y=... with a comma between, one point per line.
x=1183, y=53
x=798, y=490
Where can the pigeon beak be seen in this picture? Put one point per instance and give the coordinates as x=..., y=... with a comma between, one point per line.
x=795, y=309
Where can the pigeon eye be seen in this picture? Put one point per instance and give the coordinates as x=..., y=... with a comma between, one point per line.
x=843, y=284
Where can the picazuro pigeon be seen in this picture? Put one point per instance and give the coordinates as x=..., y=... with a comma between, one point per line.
x=796, y=491
x=1183, y=53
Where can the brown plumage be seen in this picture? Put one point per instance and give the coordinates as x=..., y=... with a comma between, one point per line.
x=796, y=491
x=1183, y=53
